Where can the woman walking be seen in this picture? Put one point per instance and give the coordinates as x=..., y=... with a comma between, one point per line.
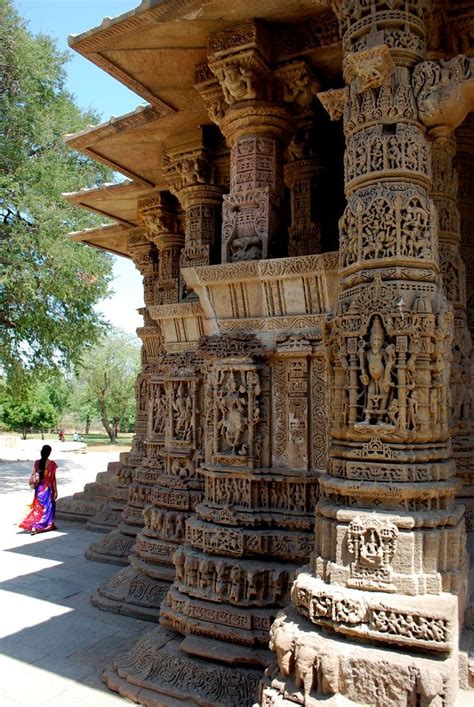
x=43, y=509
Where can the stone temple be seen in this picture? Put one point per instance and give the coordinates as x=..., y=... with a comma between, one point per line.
x=294, y=515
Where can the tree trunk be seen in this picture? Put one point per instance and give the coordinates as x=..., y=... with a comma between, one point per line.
x=105, y=421
x=87, y=425
x=115, y=429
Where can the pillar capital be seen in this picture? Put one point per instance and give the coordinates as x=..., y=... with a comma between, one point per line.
x=158, y=217
x=192, y=171
x=161, y=225
x=141, y=251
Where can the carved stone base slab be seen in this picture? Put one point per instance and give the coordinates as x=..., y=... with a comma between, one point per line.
x=77, y=509
x=107, y=518
x=114, y=549
x=313, y=665
x=131, y=593
x=85, y=504
x=155, y=672
x=427, y=622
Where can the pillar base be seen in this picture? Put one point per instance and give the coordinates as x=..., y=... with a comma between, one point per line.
x=106, y=519
x=84, y=505
x=315, y=666
x=157, y=673
x=131, y=593
x=113, y=549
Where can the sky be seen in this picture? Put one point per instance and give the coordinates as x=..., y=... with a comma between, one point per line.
x=93, y=88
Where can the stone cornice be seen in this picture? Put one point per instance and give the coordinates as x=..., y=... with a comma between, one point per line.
x=85, y=140
x=93, y=198
x=142, y=115
x=110, y=237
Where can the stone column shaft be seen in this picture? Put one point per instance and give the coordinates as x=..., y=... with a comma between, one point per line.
x=377, y=576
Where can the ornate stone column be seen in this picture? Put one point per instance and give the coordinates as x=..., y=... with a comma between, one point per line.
x=160, y=284
x=193, y=177
x=166, y=485
x=454, y=283
x=465, y=169
x=101, y=503
x=304, y=167
x=389, y=568
x=445, y=95
x=256, y=130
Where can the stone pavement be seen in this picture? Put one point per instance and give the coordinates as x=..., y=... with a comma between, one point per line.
x=53, y=642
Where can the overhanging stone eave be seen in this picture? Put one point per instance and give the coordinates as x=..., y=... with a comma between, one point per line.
x=155, y=18
x=105, y=142
x=112, y=238
x=108, y=200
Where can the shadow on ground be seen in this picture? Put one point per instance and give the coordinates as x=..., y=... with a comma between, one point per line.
x=50, y=626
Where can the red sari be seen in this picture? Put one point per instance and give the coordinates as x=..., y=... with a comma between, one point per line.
x=43, y=509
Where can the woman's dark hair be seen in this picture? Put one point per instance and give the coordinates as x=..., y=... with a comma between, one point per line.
x=45, y=452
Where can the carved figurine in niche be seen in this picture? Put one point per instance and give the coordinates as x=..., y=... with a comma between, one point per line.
x=159, y=412
x=232, y=421
x=179, y=563
x=221, y=580
x=377, y=363
x=236, y=82
x=191, y=570
x=182, y=469
x=235, y=575
x=414, y=228
x=372, y=541
x=182, y=407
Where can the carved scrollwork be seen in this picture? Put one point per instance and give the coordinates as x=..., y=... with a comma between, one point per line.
x=443, y=91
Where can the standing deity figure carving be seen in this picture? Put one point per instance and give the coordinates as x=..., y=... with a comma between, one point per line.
x=376, y=364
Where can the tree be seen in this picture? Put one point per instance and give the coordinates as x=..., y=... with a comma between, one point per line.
x=106, y=380
x=32, y=410
x=49, y=284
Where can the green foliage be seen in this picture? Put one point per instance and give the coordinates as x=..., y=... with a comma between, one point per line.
x=49, y=284
x=34, y=409
x=105, y=383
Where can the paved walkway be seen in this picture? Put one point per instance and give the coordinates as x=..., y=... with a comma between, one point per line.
x=53, y=642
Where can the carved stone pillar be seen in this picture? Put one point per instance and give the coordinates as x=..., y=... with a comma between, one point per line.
x=304, y=169
x=303, y=174
x=465, y=169
x=193, y=178
x=101, y=503
x=130, y=495
x=389, y=568
x=454, y=283
x=166, y=486
x=256, y=130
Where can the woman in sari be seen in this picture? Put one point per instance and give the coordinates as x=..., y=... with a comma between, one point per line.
x=43, y=509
